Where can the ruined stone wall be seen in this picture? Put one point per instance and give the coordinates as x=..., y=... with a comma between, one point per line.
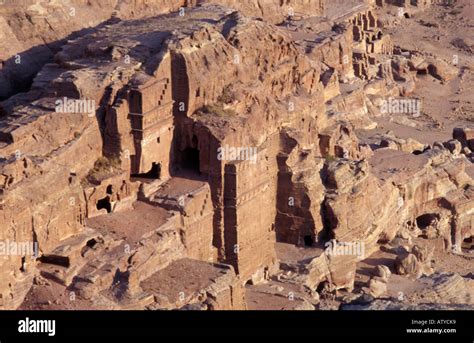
x=116, y=191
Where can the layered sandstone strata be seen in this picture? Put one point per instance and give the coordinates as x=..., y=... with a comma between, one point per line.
x=209, y=159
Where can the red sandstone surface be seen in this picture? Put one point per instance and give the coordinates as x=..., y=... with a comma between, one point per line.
x=228, y=155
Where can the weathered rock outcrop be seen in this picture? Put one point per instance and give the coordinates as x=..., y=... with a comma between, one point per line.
x=274, y=11
x=415, y=263
x=159, y=162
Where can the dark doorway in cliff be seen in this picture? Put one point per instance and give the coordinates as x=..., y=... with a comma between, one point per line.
x=308, y=240
x=105, y=203
x=154, y=173
x=417, y=152
x=190, y=160
x=57, y=260
x=468, y=243
x=426, y=220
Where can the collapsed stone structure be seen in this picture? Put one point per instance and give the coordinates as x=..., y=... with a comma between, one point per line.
x=212, y=136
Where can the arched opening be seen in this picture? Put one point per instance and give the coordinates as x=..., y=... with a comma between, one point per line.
x=426, y=220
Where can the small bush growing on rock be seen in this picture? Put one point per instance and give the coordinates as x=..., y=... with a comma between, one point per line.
x=102, y=166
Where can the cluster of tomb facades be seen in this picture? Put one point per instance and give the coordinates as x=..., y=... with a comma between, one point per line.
x=175, y=98
x=140, y=139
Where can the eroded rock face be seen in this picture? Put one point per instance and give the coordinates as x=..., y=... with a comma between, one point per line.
x=374, y=209
x=274, y=11
x=300, y=194
x=36, y=31
x=201, y=140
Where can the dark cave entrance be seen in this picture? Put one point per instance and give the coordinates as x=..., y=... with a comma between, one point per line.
x=190, y=160
x=468, y=243
x=308, y=240
x=154, y=173
x=105, y=203
x=426, y=220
